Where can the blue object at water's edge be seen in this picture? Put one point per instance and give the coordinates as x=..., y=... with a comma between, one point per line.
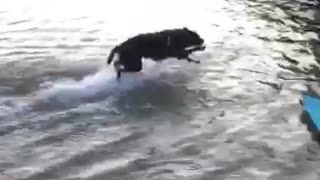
x=311, y=105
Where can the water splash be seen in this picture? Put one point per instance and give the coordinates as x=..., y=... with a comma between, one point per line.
x=101, y=85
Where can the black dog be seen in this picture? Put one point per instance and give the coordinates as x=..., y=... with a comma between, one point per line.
x=178, y=43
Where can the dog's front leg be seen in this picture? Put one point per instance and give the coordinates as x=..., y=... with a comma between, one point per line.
x=199, y=48
x=192, y=60
x=185, y=55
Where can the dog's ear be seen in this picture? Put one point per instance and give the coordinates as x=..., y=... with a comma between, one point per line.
x=185, y=28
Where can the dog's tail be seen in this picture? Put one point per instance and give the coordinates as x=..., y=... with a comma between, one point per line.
x=111, y=55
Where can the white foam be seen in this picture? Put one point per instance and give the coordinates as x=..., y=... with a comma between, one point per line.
x=10, y=108
x=102, y=83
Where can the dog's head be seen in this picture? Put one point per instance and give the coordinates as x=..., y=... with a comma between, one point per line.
x=192, y=38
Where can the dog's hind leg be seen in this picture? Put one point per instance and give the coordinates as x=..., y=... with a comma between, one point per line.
x=133, y=65
x=128, y=64
x=118, y=67
x=137, y=65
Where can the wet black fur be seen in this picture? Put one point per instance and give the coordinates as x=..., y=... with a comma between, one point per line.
x=156, y=46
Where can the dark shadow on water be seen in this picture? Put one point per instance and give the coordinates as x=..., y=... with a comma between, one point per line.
x=307, y=25
x=295, y=11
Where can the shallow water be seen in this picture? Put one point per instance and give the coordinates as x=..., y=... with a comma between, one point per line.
x=64, y=116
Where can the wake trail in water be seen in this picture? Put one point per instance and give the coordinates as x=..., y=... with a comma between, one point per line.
x=95, y=87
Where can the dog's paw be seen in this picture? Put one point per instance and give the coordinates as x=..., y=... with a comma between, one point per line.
x=202, y=48
x=193, y=61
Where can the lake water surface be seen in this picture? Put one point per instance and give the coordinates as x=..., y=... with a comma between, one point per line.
x=64, y=116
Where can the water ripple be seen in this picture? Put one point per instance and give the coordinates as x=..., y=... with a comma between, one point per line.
x=64, y=116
